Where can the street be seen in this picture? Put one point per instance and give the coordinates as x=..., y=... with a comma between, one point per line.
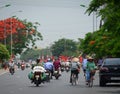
x=20, y=84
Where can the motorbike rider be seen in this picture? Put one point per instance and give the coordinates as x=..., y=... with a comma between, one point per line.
x=49, y=67
x=67, y=64
x=22, y=65
x=18, y=65
x=40, y=69
x=57, y=65
x=62, y=65
x=37, y=63
x=12, y=66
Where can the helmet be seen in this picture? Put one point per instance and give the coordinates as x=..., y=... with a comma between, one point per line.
x=48, y=59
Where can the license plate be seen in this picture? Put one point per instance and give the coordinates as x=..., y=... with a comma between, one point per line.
x=47, y=73
x=115, y=78
x=37, y=76
x=55, y=71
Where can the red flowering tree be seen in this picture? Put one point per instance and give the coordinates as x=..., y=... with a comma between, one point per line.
x=92, y=42
x=9, y=26
x=18, y=33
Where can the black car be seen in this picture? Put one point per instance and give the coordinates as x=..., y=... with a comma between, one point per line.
x=109, y=71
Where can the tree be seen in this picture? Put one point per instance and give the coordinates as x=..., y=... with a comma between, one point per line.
x=109, y=10
x=105, y=41
x=35, y=53
x=64, y=47
x=4, y=53
x=30, y=54
x=27, y=36
x=23, y=34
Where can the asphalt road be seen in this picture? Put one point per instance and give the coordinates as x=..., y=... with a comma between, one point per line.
x=20, y=84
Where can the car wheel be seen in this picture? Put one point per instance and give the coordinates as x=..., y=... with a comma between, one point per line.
x=102, y=82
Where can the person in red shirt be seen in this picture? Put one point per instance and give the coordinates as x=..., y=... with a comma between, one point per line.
x=81, y=59
x=56, y=64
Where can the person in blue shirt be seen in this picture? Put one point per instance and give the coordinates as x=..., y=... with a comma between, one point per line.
x=84, y=64
x=49, y=67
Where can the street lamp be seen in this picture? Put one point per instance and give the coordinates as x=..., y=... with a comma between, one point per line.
x=5, y=6
x=4, y=33
x=93, y=18
x=11, y=36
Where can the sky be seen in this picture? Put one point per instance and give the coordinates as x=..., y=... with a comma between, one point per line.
x=58, y=18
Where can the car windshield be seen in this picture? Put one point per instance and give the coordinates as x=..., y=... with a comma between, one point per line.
x=112, y=62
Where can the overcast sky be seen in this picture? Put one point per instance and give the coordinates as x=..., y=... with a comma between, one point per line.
x=58, y=18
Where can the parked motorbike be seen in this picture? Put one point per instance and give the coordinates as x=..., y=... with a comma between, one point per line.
x=11, y=70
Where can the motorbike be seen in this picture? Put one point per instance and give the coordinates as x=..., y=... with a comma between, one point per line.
x=37, y=78
x=48, y=74
x=67, y=68
x=57, y=74
x=11, y=70
x=18, y=64
x=22, y=66
x=62, y=69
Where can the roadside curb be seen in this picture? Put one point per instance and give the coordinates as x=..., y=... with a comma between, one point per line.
x=3, y=71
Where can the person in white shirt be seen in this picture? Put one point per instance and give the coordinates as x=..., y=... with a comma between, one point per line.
x=67, y=64
x=11, y=66
x=38, y=69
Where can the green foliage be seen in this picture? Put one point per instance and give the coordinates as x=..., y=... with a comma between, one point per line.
x=30, y=54
x=64, y=47
x=33, y=54
x=109, y=10
x=4, y=53
x=106, y=44
x=105, y=41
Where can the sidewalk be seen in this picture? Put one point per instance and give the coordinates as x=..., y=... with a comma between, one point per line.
x=2, y=71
